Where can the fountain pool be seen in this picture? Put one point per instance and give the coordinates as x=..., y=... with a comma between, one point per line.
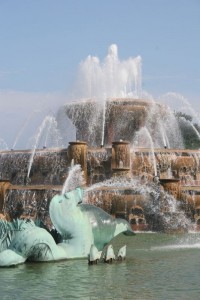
x=158, y=266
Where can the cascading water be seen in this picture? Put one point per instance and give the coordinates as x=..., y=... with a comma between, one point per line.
x=163, y=126
x=103, y=121
x=145, y=140
x=159, y=206
x=29, y=204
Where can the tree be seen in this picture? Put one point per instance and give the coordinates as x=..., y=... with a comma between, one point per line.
x=190, y=132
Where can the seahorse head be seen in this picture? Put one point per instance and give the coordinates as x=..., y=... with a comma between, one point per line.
x=63, y=209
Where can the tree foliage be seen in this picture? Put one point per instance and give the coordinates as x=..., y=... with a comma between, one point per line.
x=190, y=131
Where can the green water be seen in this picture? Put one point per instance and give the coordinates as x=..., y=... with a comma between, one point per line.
x=158, y=266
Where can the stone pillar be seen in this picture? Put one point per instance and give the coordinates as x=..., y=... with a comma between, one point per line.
x=121, y=158
x=78, y=153
x=4, y=185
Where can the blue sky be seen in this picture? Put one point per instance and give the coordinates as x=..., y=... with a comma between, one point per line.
x=42, y=43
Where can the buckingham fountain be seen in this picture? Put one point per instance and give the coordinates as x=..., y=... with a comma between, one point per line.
x=133, y=160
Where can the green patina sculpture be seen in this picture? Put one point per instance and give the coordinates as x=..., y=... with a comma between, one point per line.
x=80, y=225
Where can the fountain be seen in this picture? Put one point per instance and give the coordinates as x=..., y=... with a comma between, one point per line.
x=130, y=148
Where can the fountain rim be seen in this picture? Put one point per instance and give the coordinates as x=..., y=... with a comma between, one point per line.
x=78, y=143
x=120, y=142
x=121, y=169
x=114, y=100
x=169, y=180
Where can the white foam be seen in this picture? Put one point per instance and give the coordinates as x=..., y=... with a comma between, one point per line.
x=177, y=247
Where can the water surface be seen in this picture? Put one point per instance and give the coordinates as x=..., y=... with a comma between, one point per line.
x=158, y=266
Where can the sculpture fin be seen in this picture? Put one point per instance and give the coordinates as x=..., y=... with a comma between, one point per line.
x=109, y=255
x=10, y=258
x=94, y=255
x=122, y=253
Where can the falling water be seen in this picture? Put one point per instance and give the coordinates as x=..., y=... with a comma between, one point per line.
x=153, y=153
x=75, y=179
x=142, y=135
x=37, y=138
x=160, y=204
x=3, y=145
x=196, y=131
x=48, y=124
x=164, y=137
x=103, y=121
x=22, y=128
x=189, y=123
x=177, y=102
x=163, y=127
